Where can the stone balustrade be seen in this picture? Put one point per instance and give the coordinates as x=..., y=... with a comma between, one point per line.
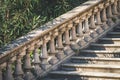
x=32, y=56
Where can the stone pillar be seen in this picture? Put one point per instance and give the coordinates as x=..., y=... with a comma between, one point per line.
x=104, y=19
x=80, y=30
x=110, y=16
x=9, y=75
x=92, y=22
x=27, y=65
x=115, y=12
x=36, y=62
x=86, y=27
x=53, y=51
x=18, y=68
x=118, y=6
x=60, y=54
x=1, y=77
x=86, y=30
x=67, y=37
x=44, y=55
x=74, y=37
x=98, y=18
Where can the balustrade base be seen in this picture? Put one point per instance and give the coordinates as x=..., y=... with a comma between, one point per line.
x=87, y=38
x=94, y=34
x=75, y=46
x=99, y=30
x=53, y=60
x=110, y=22
x=60, y=55
x=37, y=70
x=81, y=43
x=105, y=26
x=45, y=66
x=67, y=50
x=29, y=76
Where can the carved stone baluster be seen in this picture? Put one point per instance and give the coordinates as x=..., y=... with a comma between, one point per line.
x=104, y=19
x=92, y=22
x=60, y=43
x=27, y=66
x=44, y=64
x=87, y=31
x=67, y=38
x=109, y=13
x=53, y=51
x=74, y=37
x=80, y=34
x=118, y=6
x=8, y=75
x=36, y=58
x=115, y=12
x=99, y=22
x=86, y=27
x=18, y=68
x=1, y=77
x=60, y=54
x=80, y=30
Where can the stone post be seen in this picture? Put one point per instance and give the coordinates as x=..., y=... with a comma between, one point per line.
x=60, y=54
x=92, y=22
x=27, y=65
x=18, y=68
x=53, y=51
x=44, y=55
x=80, y=29
x=36, y=62
x=67, y=37
x=9, y=75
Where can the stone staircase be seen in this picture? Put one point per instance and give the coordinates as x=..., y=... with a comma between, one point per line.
x=82, y=44
x=99, y=61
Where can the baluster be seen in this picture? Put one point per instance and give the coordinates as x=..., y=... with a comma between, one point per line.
x=115, y=12
x=109, y=13
x=27, y=65
x=87, y=31
x=80, y=33
x=80, y=30
x=60, y=54
x=104, y=19
x=118, y=6
x=36, y=58
x=1, y=77
x=8, y=75
x=92, y=22
x=86, y=27
x=74, y=37
x=53, y=51
x=44, y=64
x=67, y=38
x=99, y=22
x=18, y=68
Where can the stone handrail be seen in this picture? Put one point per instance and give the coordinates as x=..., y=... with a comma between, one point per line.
x=43, y=49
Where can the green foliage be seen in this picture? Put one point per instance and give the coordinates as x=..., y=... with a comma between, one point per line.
x=18, y=17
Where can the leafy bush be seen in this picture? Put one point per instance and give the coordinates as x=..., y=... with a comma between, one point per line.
x=18, y=17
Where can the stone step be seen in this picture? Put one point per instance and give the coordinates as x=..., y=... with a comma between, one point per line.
x=100, y=53
x=109, y=40
x=79, y=75
x=116, y=29
x=91, y=67
x=113, y=34
x=95, y=60
x=104, y=46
